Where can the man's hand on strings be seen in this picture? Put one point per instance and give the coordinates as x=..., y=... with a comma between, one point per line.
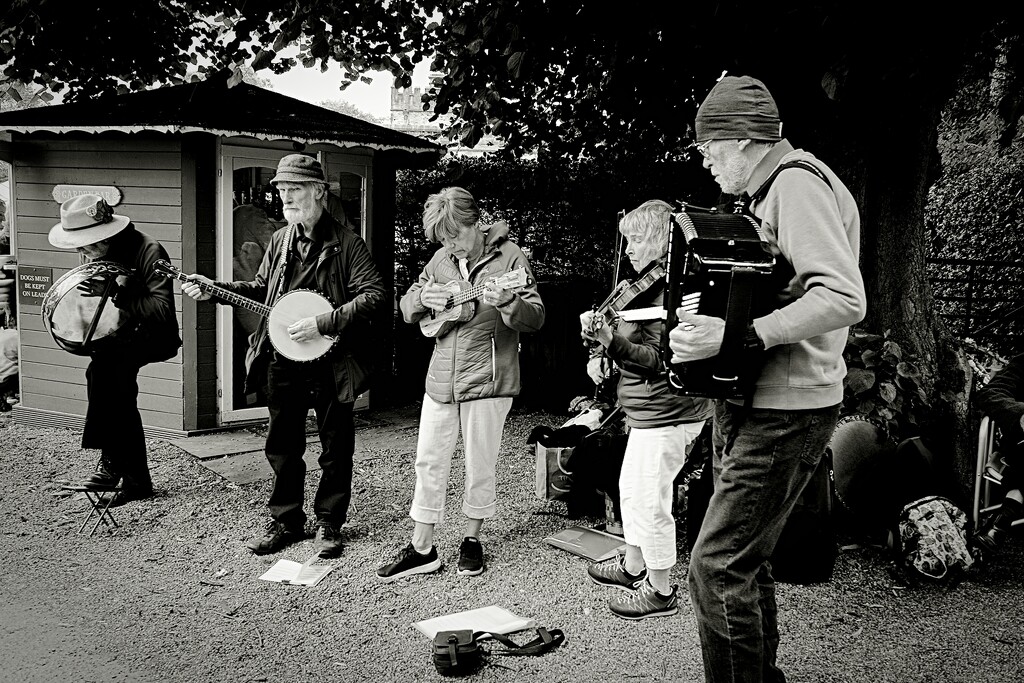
x=191, y=288
x=304, y=330
x=695, y=337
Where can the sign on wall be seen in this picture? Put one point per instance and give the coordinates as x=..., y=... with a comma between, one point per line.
x=33, y=283
x=62, y=193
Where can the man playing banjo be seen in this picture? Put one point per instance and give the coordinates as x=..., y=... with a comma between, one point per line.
x=313, y=252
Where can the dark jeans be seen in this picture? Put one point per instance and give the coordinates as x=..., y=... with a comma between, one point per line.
x=294, y=388
x=112, y=420
x=761, y=464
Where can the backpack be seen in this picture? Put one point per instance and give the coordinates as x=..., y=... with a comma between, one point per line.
x=932, y=539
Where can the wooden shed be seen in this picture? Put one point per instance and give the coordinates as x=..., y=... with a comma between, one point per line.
x=190, y=165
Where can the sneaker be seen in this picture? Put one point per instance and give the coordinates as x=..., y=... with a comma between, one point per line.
x=278, y=537
x=643, y=603
x=328, y=539
x=471, y=557
x=613, y=573
x=409, y=562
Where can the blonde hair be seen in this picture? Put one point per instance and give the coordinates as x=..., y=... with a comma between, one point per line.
x=447, y=212
x=648, y=226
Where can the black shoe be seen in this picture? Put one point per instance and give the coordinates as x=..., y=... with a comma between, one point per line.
x=410, y=562
x=103, y=479
x=329, y=540
x=992, y=537
x=278, y=537
x=471, y=557
x=125, y=495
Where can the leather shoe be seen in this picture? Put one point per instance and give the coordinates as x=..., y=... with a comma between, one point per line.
x=122, y=496
x=278, y=537
x=102, y=480
x=329, y=540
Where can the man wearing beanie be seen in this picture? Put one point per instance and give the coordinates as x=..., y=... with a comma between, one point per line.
x=313, y=252
x=767, y=448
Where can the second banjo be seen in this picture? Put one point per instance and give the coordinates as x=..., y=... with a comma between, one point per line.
x=289, y=308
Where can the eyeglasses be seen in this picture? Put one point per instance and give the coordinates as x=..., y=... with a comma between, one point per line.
x=703, y=148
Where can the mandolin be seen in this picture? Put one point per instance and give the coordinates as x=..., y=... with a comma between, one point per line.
x=289, y=308
x=461, y=304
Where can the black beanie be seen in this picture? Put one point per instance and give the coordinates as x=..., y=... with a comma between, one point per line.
x=738, y=108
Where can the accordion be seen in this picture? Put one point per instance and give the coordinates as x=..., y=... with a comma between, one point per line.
x=719, y=264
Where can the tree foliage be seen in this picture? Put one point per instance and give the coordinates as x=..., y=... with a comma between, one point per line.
x=567, y=76
x=860, y=85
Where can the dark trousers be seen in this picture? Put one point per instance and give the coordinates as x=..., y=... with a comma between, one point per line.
x=294, y=388
x=762, y=462
x=112, y=420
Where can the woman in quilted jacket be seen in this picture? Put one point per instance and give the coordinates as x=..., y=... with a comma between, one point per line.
x=473, y=373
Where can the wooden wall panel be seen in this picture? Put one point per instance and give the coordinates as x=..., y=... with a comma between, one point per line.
x=147, y=171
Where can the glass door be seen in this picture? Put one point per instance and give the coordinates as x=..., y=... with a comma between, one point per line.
x=250, y=214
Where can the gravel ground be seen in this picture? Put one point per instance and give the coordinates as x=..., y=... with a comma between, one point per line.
x=173, y=595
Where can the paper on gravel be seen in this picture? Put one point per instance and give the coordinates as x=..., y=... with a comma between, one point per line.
x=308, y=573
x=492, y=619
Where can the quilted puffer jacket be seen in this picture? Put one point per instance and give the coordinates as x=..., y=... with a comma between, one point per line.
x=479, y=358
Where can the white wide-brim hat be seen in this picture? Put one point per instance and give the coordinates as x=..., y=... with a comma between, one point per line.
x=84, y=220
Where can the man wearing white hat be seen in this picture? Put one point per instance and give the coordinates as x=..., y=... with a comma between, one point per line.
x=112, y=421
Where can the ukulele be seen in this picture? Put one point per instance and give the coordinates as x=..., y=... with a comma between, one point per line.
x=461, y=305
x=289, y=308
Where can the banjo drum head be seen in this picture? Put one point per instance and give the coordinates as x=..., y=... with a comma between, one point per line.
x=292, y=307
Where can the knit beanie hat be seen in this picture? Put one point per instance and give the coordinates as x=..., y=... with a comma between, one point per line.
x=738, y=108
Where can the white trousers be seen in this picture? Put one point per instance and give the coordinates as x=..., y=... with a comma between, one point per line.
x=653, y=459
x=482, y=422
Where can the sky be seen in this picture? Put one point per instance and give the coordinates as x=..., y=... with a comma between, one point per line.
x=314, y=86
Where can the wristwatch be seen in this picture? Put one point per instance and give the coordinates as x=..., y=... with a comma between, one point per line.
x=751, y=341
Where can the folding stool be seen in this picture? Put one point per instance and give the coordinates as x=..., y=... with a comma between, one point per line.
x=97, y=508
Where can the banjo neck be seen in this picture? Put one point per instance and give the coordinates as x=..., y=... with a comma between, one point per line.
x=290, y=308
x=248, y=304
x=230, y=297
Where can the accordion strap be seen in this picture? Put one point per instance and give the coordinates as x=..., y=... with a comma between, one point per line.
x=737, y=317
x=760, y=193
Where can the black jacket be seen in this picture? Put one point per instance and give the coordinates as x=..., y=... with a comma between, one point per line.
x=347, y=275
x=1002, y=399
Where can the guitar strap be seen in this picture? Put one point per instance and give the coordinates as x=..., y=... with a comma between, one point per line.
x=282, y=266
x=286, y=249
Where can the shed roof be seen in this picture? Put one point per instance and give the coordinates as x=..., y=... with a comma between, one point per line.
x=210, y=106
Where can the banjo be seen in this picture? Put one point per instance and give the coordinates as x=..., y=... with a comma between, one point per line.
x=289, y=308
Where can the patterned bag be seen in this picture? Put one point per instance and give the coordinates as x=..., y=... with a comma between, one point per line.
x=933, y=538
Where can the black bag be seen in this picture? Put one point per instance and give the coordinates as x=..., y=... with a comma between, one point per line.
x=807, y=549
x=457, y=653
